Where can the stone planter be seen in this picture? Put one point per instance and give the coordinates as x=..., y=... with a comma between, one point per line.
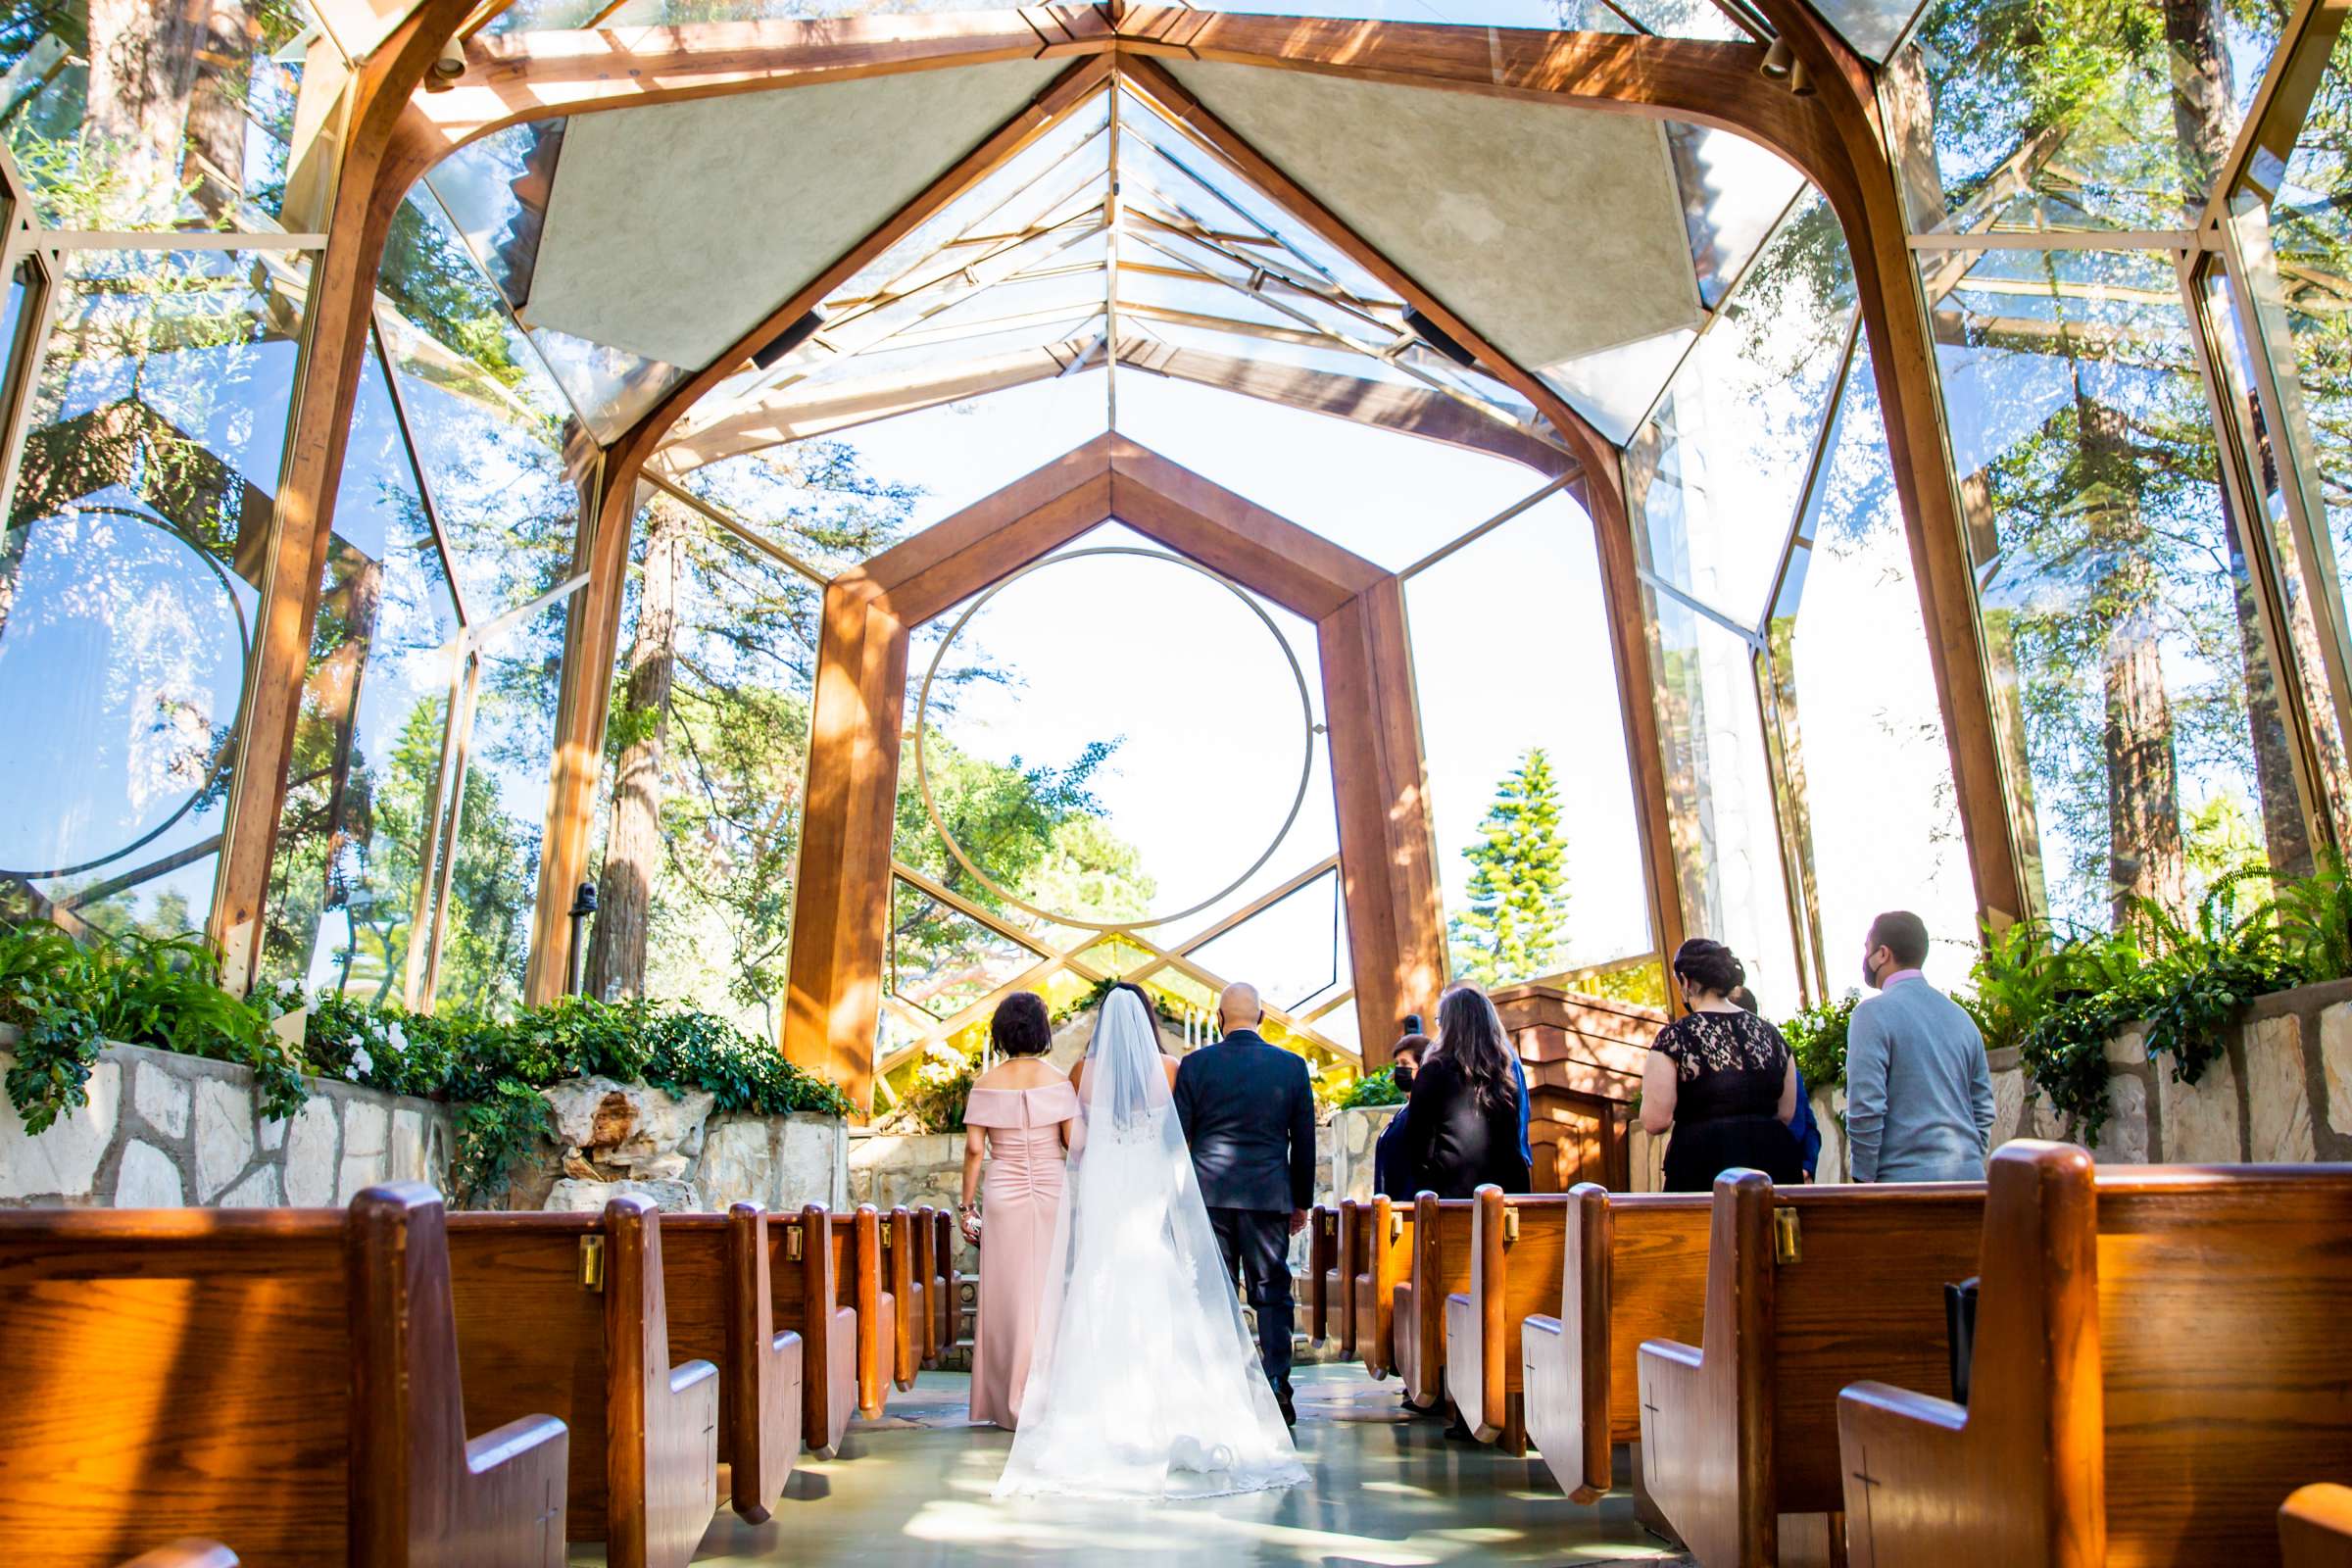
x=161, y=1130
x=613, y=1137
x=2280, y=1091
x=1350, y=1135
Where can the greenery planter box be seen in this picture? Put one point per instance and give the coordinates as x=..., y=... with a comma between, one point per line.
x=162, y=1130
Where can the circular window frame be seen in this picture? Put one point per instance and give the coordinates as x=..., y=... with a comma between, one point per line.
x=1306, y=728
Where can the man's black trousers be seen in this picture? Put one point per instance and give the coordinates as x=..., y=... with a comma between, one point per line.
x=1256, y=1243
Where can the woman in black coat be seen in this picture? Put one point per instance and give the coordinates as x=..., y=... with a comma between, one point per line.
x=1461, y=1126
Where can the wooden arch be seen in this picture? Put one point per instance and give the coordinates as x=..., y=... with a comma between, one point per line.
x=840, y=901
x=1821, y=114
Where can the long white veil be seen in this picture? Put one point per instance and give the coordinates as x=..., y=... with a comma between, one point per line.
x=1142, y=1382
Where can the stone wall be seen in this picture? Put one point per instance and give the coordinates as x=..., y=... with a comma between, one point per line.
x=1344, y=1148
x=2281, y=1092
x=613, y=1137
x=161, y=1130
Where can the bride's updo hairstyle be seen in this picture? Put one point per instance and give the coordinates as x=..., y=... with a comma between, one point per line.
x=1020, y=1027
x=1150, y=1013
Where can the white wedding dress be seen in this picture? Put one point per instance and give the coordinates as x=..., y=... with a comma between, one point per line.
x=1143, y=1384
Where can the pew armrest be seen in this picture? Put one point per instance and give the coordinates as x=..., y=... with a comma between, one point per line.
x=2314, y=1527
x=1556, y=1427
x=687, y=1374
x=512, y=1444
x=1914, y=1493
x=186, y=1555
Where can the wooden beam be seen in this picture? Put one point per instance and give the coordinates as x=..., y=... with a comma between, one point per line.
x=342, y=293
x=841, y=896
x=1296, y=568
x=536, y=74
x=1379, y=788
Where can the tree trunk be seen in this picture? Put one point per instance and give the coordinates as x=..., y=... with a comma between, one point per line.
x=634, y=848
x=2146, y=856
x=217, y=104
x=142, y=69
x=2202, y=96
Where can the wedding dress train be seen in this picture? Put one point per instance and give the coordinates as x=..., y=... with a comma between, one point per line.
x=1142, y=1382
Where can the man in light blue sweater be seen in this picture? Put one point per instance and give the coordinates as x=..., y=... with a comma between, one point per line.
x=1917, y=1094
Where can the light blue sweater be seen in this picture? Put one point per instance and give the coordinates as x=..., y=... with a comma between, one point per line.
x=1917, y=1094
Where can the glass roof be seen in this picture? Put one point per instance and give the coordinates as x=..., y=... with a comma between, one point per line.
x=1681, y=18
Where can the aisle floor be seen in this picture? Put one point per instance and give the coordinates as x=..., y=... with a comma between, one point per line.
x=913, y=1488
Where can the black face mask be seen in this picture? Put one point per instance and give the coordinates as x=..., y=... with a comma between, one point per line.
x=1404, y=1073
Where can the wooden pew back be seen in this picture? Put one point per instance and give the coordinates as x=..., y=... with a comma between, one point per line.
x=908, y=1291
x=1322, y=1269
x=927, y=1269
x=1633, y=1268
x=859, y=1283
x=1516, y=1253
x=1744, y=1429
x=287, y=1378
x=1384, y=1261
x=1440, y=1267
x=802, y=1260
x=1350, y=1240
x=721, y=1309
x=566, y=1312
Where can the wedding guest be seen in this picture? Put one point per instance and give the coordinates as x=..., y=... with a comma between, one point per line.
x=1390, y=1179
x=1918, y=1092
x=1720, y=1078
x=1462, y=1125
x=1018, y=1117
x=1802, y=1127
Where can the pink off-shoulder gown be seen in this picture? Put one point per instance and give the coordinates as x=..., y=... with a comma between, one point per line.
x=1018, y=1198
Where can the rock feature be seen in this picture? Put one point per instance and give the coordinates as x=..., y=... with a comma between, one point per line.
x=224, y=1136
x=147, y=1178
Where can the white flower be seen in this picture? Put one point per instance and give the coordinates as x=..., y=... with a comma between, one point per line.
x=396, y=1040
x=362, y=1064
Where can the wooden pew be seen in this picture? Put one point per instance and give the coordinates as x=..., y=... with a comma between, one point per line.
x=1322, y=1270
x=927, y=1269
x=912, y=1293
x=568, y=1313
x=946, y=1237
x=1383, y=1261
x=285, y=1379
x=1440, y=1267
x=1633, y=1268
x=1338, y=1281
x=2160, y=1354
x=803, y=1266
x=856, y=1241
x=722, y=1305
x=1515, y=1259
x=1743, y=1428
x=2314, y=1527
x=186, y=1555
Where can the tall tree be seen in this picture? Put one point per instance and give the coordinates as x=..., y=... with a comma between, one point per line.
x=1518, y=887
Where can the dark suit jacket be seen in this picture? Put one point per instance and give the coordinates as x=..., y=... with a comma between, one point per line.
x=1251, y=1120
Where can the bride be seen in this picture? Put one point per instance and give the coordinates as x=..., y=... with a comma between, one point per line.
x=1143, y=1384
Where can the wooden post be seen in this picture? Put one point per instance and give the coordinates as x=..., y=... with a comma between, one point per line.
x=369, y=187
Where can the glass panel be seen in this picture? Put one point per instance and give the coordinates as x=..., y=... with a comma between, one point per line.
x=487, y=425
x=1852, y=677
x=1389, y=498
x=1734, y=191
x=2121, y=633
x=1719, y=798
x=942, y=960
x=135, y=116
x=1492, y=626
x=1124, y=737
x=711, y=726
x=501, y=814
x=838, y=499
x=1684, y=18
x=1872, y=27
x=368, y=749
x=2116, y=116
x=129, y=578
x=1716, y=476
x=1295, y=951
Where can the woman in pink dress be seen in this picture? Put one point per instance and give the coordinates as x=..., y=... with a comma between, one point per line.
x=1019, y=1117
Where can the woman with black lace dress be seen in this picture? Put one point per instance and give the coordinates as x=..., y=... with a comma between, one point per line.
x=1722, y=1078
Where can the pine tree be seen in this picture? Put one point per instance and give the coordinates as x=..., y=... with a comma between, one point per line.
x=1518, y=887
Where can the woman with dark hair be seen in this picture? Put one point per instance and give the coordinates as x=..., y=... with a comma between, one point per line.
x=1018, y=1117
x=1461, y=1125
x=1721, y=1078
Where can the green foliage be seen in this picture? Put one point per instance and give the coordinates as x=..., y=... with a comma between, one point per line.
x=935, y=1105
x=69, y=999
x=2313, y=915
x=1518, y=887
x=1373, y=1089
x=1817, y=1038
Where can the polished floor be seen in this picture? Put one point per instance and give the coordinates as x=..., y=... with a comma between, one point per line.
x=913, y=1488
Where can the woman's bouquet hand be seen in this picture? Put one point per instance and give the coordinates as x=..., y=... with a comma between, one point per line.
x=968, y=1218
